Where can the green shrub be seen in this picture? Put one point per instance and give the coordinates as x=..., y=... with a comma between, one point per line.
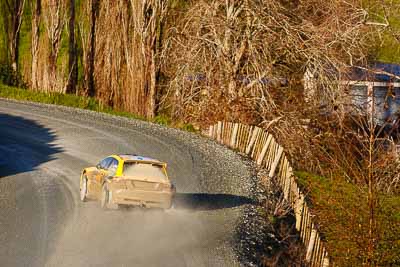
x=9, y=77
x=188, y=127
x=162, y=120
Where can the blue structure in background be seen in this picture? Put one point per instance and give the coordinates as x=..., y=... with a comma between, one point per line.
x=376, y=72
x=377, y=90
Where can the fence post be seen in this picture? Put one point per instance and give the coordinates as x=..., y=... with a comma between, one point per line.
x=234, y=135
x=288, y=181
x=228, y=134
x=247, y=130
x=311, y=244
x=219, y=131
x=298, y=209
x=275, y=163
x=325, y=262
x=264, y=150
x=252, y=140
x=210, y=131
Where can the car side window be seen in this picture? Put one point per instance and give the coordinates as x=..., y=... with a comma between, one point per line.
x=100, y=165
x=105, y=163
x=113, y=167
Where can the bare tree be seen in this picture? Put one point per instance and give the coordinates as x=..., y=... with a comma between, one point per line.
x=242, y=51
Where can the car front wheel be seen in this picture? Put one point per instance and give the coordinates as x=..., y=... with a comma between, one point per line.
x=83, y=189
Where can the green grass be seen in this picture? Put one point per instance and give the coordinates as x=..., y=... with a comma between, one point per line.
x=83, y=103
x=341, y=210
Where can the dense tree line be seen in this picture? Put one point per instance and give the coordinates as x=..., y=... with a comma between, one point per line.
x=178, y=56
x=100, y=48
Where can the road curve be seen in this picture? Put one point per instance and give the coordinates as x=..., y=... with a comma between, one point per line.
x=43, y=223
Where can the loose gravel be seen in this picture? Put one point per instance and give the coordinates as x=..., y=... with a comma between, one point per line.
x=227, y=190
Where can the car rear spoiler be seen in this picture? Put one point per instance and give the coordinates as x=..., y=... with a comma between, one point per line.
x=148, y=162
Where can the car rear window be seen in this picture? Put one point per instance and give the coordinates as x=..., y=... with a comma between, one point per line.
x=144, y=170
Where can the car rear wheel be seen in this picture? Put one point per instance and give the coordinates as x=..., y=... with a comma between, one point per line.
x=83, y=189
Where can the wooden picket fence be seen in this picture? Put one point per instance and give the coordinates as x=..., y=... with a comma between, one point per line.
x=262, y=147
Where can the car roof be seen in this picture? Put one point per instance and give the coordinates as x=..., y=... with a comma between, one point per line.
x=134, y=157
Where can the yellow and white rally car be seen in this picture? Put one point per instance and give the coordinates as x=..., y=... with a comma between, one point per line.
x=128, y=180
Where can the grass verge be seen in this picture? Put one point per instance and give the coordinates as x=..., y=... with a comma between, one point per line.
x=342, y=213
x=88, y=103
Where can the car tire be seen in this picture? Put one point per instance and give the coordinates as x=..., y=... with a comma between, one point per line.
x=83, y=190
x=105, y=195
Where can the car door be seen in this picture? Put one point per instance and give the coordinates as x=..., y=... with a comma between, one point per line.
x=99, y=175
x=112, y=168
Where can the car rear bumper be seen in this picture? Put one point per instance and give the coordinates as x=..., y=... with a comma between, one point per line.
x=148, y=199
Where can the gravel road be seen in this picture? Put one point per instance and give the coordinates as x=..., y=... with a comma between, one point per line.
x=43, y=223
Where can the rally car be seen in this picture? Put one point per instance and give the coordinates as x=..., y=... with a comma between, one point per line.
x=128, y=180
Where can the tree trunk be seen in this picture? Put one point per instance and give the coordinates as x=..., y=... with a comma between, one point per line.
x=154, y=13
x=72, y=56
x=17, y=21
x=90, y=87
x=150, y=48
x=36, y=12
x=14, y=50
x=54, y=18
